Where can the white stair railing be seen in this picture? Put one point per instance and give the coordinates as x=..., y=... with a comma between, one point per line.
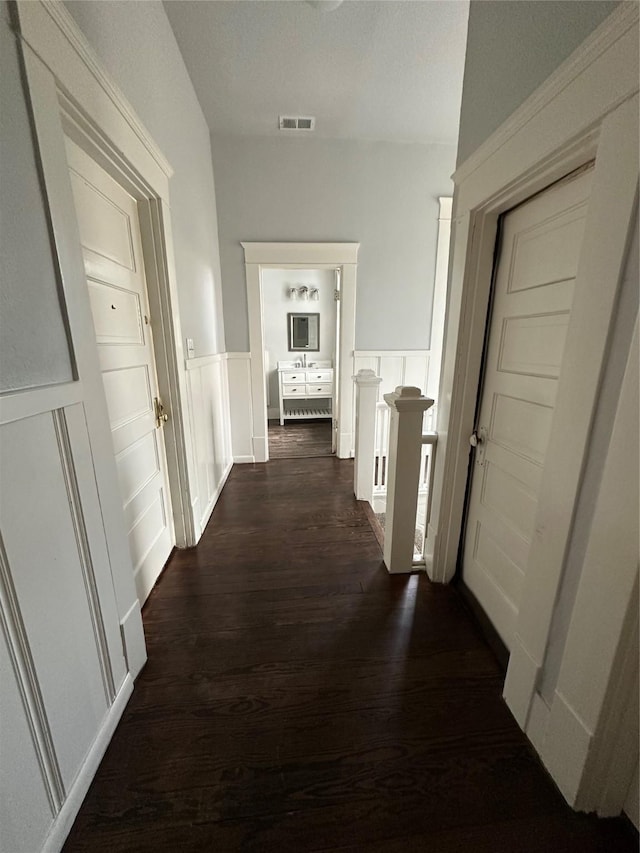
x=425, y=493
x=367, y=385
x=381, y=457
x=407, y=407
x=394, y=466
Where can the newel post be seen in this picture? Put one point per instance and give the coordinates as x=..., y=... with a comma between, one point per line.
x=405, y=444
x=367, y=384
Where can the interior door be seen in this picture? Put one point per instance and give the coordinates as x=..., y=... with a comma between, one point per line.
x=112, y=252
x=533, y=293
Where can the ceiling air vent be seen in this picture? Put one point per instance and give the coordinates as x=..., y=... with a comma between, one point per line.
x=296, y=123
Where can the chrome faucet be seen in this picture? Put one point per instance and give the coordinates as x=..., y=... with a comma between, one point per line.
x=304, y=359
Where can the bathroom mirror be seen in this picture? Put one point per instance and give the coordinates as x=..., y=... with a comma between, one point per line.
x=304, y=332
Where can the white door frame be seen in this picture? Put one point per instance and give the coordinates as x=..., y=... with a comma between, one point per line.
x=586, y=110
x=96, y=115
x=259, y=256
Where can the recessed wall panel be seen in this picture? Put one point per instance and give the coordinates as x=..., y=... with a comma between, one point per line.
x=521, y=426
x=43, y=552
x=547, y=253
x=137, y=465
x=498, y=564
x=128, y=393
x=117, y=317
x=104, y=227
x=510, y=498
x=147, y=529
x=34, y=349
x=533, y=345
x=26, y=813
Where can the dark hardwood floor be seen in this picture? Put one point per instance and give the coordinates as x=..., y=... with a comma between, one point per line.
x=299, y=439
x=298, y=698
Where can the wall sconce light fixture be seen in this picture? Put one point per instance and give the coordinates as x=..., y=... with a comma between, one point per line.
x=301, y=291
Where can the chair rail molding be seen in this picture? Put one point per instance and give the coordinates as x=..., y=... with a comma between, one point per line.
x=587, y=110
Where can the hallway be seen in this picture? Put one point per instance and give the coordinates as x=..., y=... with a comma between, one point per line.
x=298, y=698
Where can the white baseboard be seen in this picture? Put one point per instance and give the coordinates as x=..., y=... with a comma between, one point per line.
x=379, y=504
x=260, y=448
x=538, y=723
x=243, y=460
x=132, y=633
x=214, y=500
x=567, y=744
x=67, y=814
x=519, y=686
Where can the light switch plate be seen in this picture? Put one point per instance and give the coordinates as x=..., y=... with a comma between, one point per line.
x=190, y=348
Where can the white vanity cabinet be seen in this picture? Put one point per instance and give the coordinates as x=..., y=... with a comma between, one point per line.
x=305, y=392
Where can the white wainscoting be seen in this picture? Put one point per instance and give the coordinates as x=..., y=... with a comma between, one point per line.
x=208, y=401
x=63, y=673
x=240, y=406
x=394, y=367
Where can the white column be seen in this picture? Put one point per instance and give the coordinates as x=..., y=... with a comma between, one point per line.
x=405, y=443
x=367, y=384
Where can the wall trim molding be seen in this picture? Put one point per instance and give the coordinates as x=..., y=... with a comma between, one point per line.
x=76, y=38
x=304, y=253
x=202, y=360
x=383, y=353
x=84, y=552
x=206, y=515
x=64, y=821
x=24, y=669
x=18, y=405
x=619, y=22
x=244, y=460
x=132, y=638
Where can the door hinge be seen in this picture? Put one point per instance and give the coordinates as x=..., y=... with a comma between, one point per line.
x=146, y=319
x=336, y=295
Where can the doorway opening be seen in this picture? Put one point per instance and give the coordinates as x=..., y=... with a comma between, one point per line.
x=307, y=376
x=301, y=327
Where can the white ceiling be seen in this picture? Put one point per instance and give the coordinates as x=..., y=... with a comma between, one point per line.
x=387, y=70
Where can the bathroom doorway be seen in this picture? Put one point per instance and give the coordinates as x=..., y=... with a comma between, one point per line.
x=342, y=259
x=300, y=316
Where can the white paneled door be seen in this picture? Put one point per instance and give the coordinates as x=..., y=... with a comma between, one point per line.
x=533, y=293
x=112, y=252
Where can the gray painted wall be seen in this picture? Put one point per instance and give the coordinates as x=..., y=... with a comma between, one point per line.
x=383, y=195
x=33, y=342
x=136, y=44
x=512, y=47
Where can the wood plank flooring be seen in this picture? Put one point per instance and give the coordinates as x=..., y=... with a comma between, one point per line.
x=298, y=698
x=298, y=439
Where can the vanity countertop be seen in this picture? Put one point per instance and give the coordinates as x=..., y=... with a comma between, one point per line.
x=297, y=364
